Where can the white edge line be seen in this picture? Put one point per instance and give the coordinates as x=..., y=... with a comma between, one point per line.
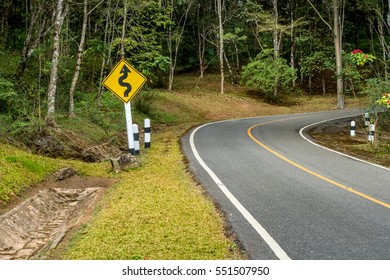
x=279, y=252
x=333, y=151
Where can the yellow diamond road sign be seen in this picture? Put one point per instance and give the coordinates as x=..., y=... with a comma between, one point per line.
x=124, y=81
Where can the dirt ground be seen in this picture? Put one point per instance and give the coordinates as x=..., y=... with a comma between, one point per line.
x=336, y=135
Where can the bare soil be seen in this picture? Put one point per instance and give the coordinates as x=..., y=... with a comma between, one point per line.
x=336, y=135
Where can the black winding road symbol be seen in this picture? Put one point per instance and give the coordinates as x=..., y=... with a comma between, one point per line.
x=125, y=72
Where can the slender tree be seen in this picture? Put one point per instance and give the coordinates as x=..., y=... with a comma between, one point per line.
x=124, y=29
x=337, y=33
x=80, y=51
x=36, y=31
x=51, y=91
x=79, y=59
x=221, y=48
x=175, y=34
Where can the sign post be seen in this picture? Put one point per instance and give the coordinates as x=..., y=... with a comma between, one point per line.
x=125, y=81
x=129, y=127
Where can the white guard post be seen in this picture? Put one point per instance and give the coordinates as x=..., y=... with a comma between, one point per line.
x=136, y=139
x=371, y=133
x=353, y=128
x=367, y=120
x=129, y=126
x=147, y=133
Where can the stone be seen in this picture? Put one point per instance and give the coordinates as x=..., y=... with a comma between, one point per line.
x=123, y=162
x=64, y=173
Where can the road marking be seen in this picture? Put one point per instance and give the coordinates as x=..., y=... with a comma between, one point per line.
x=249, y=131
x=333, y=151
x=279, y=252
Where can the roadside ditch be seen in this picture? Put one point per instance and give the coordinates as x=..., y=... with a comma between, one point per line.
x=33, y=228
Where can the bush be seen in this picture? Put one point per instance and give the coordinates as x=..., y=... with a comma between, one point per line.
x=268, y=73
x=143, y=101
x=7, y=95
x=376, y=89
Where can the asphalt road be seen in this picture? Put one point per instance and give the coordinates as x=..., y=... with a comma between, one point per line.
x=286, y=198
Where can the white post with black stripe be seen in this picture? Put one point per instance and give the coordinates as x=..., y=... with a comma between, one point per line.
x=371, y=133
x=353, y=128
x=147, y=133
x=136, y=139
x=367, y=120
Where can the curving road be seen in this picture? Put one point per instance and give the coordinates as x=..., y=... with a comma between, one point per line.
x=286, y=198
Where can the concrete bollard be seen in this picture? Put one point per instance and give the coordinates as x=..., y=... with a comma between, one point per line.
x=367, y=121
x=136, y=139
x=371, y=133
x=353, y=128
x=147, y=133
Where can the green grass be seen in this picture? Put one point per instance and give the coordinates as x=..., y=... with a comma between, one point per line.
x=19, y=170
x=156, y=212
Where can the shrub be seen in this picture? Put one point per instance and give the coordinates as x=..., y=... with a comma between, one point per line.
x=268, y=73
x=377, y=91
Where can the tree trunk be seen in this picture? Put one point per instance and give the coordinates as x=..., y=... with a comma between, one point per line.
x=124, y=29
x=105, y=61
x=293, y=46
x=79, y=60
x=202, y=52
x=338, y=51
x=230, y=69
x=276, y=32
x=201, y=30
x=382, y=41
x=35, y=13
x=221, y=47
x=174, y=41
x=323, y=84
x=276, y=39
x=4, y=23
x=52, y=88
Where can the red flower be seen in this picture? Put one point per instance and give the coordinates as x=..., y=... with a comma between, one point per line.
x=357, y=51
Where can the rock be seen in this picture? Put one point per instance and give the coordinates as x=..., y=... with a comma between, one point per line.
x=47, y=145
x=123, y=162
x=64, y=173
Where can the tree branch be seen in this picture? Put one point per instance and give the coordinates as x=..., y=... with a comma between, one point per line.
x=318, y=13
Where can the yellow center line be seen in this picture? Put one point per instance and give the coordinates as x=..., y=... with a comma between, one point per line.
x=249, y=131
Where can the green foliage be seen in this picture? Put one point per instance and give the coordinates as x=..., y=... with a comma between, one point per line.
x=317, y=62
x=377, y=93
x=144, y=100
x=384, y=101
x=356, y=70
x=360, y=58
x=374, y=89
x=7, y=95
x=267, y=73
x=152, y=65
x=104, y=115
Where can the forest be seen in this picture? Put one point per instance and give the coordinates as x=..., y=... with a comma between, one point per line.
x=55, y=54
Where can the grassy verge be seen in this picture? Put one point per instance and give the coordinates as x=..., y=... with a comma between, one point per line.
x=19, y=170
x=156, y=212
